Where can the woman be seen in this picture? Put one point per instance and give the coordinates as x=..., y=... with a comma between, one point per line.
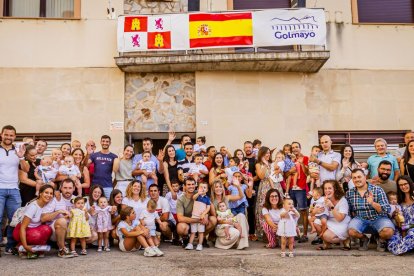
x=271, y=214
x=217, y=171
x=338, y=220
x=84, y=181
x=263, y=171
x=31, y=231
x=170, y=167
x=28, y=180
x=399, y=243
x=135, y=197
x=115, y=199
x=66, y=149
x=217, y=196
x=123, y=169
x=348, y=163
x=407, y=162
x=91, y=202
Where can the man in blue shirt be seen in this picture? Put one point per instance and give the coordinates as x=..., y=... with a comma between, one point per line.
x=180, y=153
x=382, y=154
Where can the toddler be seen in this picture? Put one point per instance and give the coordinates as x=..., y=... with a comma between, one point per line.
x=148, y=166
x=45, y=172
x=318, y=201
x=69, y=168
x=201, y=208
x=395, y=214
x=287, y=226
x=232, y=168
x=290, y=162
x=277, y=168
x=197, y=169
x=200, y=145
x=257, y=144
x=103, y=223
x=172, y=199
x=148, y=218
x=78, y=225
x=314, y=169
x=225, y=215
x=57, y=158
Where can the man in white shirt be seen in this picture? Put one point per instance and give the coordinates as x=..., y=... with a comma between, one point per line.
x=327, y=159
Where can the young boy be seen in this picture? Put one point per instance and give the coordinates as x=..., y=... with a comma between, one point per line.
x=197, y=169
x=172, y=199
x=69, y=168
x=201, y=209
x=149, y=167
x=148, y=218
x=314, y=169
x=290, y=162
x=232, y=168
x=45, y=172
x=318, y=201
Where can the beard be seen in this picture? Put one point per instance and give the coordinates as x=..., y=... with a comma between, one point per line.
x=384, y=176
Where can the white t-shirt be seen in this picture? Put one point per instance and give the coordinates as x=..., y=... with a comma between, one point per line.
x=34, y=212
x=149, y=218
x=274, y=214
x=194, y=168
x=138, y=206
x=173, y=202
x=163, y=207
x=123, y=224
x=55, y=205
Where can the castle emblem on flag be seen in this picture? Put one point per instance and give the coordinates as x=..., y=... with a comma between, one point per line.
x=135, y=25
x=159, y=41
x=204, y=30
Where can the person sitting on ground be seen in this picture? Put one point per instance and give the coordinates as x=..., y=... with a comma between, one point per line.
x=271, y=214
x=148, y=218
x=318, y=200
x=224, y=214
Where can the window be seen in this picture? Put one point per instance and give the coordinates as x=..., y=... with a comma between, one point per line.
x=383, y=11
x=54, y=140
x=260, y=4
x=62, y=9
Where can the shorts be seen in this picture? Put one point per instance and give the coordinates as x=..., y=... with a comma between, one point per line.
x=323, y=216
x=152, y=232
x=122, y=246
x=299, y=199
x=197, y=227
x=364, y=226
x=53, y=236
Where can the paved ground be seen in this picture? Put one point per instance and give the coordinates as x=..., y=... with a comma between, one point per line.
x=253, y=261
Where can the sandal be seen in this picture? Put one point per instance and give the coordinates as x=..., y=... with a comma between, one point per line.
x=107, y=249
x=347, y=245
x=291, y=255
x=253, y=237
x=74, y=253
x=282, y=254
x=268, y=246
x=84, y=252
x=99, y=249
x=325, y=246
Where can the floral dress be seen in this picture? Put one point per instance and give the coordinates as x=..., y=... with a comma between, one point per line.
x=398, y=244
x=78, y=226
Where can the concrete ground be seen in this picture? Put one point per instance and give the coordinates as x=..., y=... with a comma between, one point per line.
x=255, y=260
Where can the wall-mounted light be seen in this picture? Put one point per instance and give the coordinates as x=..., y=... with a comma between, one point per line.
x=327, y=16
x=339, y=19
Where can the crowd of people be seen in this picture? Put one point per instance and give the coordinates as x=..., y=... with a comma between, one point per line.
x=78, y=200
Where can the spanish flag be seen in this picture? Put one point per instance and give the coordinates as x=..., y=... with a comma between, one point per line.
x=224, y=29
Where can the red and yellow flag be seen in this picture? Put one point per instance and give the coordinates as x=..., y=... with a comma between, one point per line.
x=225, y=29
x=136, y=24
x=159, y=40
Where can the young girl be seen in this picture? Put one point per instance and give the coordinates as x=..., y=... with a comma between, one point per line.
x=287, y=226
x=197, y=169
x=78, y=226
x=225, y=215
x=103, y=223
x=200, y=145
x=148, y=218
x=132, y=235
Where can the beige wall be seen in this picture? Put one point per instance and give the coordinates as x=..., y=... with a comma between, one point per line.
x=281, y=107
x=81, y=101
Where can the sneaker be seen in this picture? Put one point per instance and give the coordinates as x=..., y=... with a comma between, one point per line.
x=185, y=241
x=291, y=255
x=363, y=244
x=99, y=249
x=199, y=247
x=107, y=249
x=381, y=245
x=303, y=239
x=64, y=253
x=316, y=241
x=282, y=254
x=11, y=251
x=158, y=251
x=149, y=252
x=31, y=255
x=189, y=246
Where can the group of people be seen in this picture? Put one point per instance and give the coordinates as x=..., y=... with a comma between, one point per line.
x=192, y=193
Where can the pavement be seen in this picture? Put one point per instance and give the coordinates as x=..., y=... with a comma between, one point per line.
x=255, y=260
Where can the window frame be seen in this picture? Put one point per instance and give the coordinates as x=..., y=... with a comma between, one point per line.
x=76, y=13
x=355, y=17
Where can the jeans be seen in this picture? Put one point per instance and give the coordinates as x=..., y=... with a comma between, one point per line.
x=10, y=200
x=108, y=191
x=364, y=226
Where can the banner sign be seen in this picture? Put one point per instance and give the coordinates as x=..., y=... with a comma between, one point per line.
x=276, y=27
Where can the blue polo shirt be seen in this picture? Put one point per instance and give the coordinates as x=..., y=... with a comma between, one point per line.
x=138, y=158
x=374, y=160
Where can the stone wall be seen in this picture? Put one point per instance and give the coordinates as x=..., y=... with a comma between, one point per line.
x=159, y=102
x=152, y=7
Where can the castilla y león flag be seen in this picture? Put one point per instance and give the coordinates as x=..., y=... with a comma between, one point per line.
x=225, y=29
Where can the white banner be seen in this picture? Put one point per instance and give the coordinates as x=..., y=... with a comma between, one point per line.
x=289, y=27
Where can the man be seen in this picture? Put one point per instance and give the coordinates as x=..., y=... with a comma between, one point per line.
x=399, y=153
x=90, y=147
x=167, y=226
x=183, y=166
x=382, y=154
x=383, y=178
x=327, y=159
x=211, y=152
x=56, y=215
x=41, y=147
x=299, y=194
x=147, y=145
x=10, y=200
x=180, y=153
x=184, y=211
x=369, y=208
x=251, y=158
x=103, y=162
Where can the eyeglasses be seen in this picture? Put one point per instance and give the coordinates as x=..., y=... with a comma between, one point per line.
x=274, y=196
x=403, y=184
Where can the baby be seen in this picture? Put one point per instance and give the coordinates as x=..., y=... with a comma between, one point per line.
x=233, y=167
x=314, y=169
x=200, y=145
x=290, y=162
x=318, y=201
x=257, y=144
x=57, y=158
x=395, y=214
x=149, y=167
x=197, y=169
x=45, y=172
x=277, y=168
x=103, y=223
x=225, y=215
x=69, y=168
x=148, y=218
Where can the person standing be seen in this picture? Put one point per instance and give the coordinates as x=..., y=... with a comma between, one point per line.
x=327, y=159
x=10, y=159
x=103, y=164
x=373, y=161
x=251, y=217
x=41, y=147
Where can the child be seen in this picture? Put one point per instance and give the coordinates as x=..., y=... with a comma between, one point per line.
x=257, y=144
x=318, y=201
x=103, y=223
x=395, y=214
x=78, y=226
x=201, y=209
x=132, y=235
x=200, y=145
x=276, y=175
x=172, y=199
x=287, y=226
x=45, y=172
x=69, y=168
x=290, y=162
x=314, y=169
x=197, y=169
x=57, y=158
x=224, y=215
x=232, y=168
x=148, y=218
x=149, y=166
